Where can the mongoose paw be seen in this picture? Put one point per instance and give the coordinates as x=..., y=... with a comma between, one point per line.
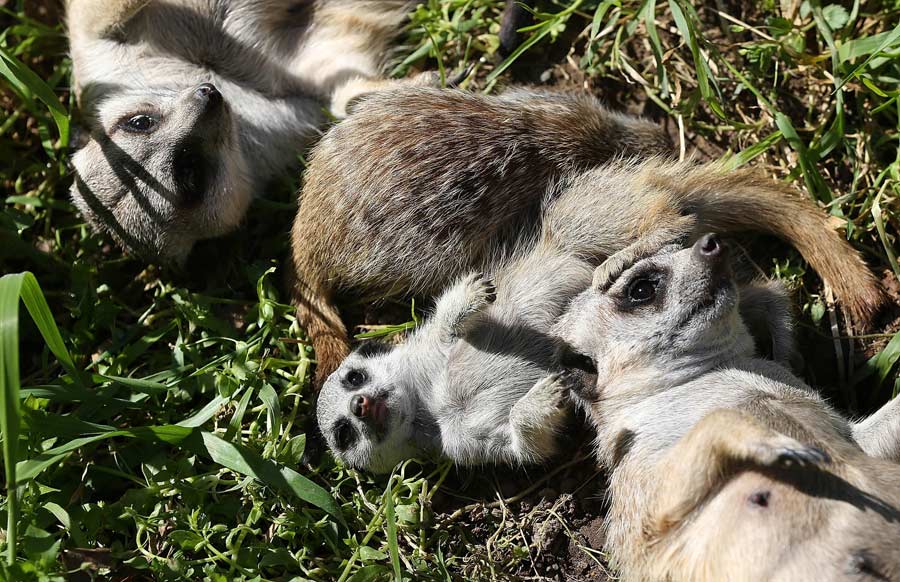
x=787, y=452
x=610, y=270
x=572, y=381
x=554, y=390
x=482, y=289
x=806, y=456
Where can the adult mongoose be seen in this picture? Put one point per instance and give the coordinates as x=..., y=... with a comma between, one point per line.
x=723, y=465
x=419, y=186
x=193, y=106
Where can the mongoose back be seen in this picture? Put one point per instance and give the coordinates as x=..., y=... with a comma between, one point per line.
x=419, y=186
x=724, y=466
x=192, y=106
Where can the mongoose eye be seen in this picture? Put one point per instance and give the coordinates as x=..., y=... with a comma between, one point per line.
x=139, y=123
x=642, y=290
x=355, y=378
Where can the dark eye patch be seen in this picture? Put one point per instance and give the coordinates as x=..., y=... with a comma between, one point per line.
x=344, y=434
x=373, y=348
x=642, y=290
x=644, y=287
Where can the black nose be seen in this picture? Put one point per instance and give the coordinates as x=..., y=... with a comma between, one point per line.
x=208, y=92
x=709, y=247
x=359, y=405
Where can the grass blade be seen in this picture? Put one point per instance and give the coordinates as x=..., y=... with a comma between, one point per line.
x=10, y=286
x=391, y=518
x=26, y=83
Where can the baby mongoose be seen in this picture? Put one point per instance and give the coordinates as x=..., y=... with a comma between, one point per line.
x=192, y=106
x=724, y=466
x=475, y=383
x=420, y=186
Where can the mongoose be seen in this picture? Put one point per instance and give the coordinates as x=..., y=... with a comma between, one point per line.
x=419, y=186
x=724, y=466
x=475, y=383
x=193, y=106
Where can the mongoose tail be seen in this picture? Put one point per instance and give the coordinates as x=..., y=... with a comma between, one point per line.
x=725, y=201
x=318, y=315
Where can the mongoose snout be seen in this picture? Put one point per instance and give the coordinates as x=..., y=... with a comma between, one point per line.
x=369, y=408
x=209, y=93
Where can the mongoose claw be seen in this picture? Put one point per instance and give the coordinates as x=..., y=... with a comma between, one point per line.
x=454, y=81
x=484, y=288
x=787, y=452
x=571, y=380
x=550, y=393
x=806, y=456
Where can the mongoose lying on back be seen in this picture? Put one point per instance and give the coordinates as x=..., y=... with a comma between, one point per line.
x=419, y=186
x=723, y=466
x=193, y=106
x=475, y=383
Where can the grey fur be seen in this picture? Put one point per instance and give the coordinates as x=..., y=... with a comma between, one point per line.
x=692, y=424
x=476, y=383
x=275, y=62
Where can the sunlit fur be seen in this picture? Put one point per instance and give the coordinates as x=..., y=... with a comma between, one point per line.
x=277, y=63
x=475, y=383
x=725, y=466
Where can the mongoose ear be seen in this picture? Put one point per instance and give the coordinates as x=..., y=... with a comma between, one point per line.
x=766, y=311
x=79, y=136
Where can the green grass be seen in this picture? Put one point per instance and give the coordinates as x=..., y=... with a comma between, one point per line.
x=158, y=434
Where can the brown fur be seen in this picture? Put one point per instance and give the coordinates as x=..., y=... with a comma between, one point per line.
x=700, y=527
x=418, y=186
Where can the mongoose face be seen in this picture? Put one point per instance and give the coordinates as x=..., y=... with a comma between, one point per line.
x=366, y=410
x=660, y=309
x=163, y=170
x=193, y=106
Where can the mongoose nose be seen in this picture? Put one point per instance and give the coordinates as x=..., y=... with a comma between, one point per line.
x=709, y=246
x=359, y=406
x=208, y=92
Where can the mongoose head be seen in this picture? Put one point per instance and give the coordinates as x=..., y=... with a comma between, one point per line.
x=367, y=410
x=677, y=307
x=162, y=169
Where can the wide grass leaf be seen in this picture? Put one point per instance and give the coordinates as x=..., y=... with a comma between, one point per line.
x=14, y=287
x=28, y=85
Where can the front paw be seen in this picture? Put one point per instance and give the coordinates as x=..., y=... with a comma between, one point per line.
x=552, y=392
x=785, y=452
x=481, y=290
